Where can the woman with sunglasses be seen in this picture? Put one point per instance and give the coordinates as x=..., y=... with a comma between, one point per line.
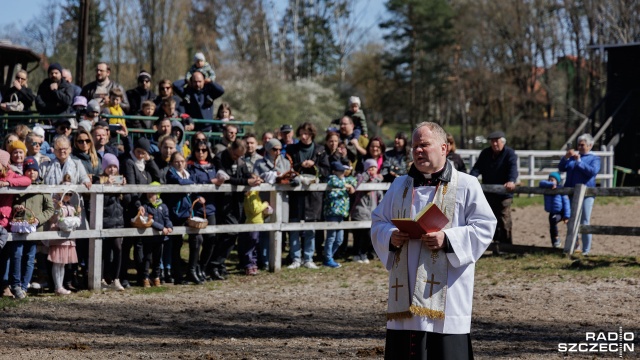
x=21, y=89
x=202, y=171
x=34, y=144
x=84, y=151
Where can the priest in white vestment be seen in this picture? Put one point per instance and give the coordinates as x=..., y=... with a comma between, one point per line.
x=431, y=279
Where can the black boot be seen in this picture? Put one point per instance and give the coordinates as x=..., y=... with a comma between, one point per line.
x=216, y=274
x=167, y=276
x=201, y=274
x=193, y=277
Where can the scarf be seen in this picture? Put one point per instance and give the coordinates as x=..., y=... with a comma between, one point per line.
x=428, y=298
x=138, y=163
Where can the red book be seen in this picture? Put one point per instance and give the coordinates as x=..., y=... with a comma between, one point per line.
x=430, y=219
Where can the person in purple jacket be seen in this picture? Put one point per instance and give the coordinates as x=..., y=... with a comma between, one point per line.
x=558, y=207
x=581, y=167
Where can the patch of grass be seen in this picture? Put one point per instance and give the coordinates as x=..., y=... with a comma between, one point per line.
x=8, y=303
x=615, y=200
x=524, y=201
x=536, y=267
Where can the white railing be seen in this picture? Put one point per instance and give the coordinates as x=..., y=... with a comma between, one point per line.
x=529, y=172
x=278, y=221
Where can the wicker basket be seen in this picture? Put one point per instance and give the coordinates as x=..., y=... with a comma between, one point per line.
x=195, y=222
x=141, y=221
x=24, y=224
x=70, y=223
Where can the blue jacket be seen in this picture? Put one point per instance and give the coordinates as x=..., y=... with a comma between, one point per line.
x=556, y=204
x=202, y=175
x=582, y=171
x=160, y=216
x=179, y=203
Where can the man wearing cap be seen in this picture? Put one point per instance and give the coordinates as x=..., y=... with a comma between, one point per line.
x=286, y=137
x=498, y=164
x=55, y=95
x=198, y=100
x=431, y=278
x=140, y=94
x=102, y=85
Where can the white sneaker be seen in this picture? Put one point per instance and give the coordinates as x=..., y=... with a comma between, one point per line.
x=294, y=265
x=115, y=285
x=365, y=259
x=357, y=259
x=310, y=265
x=104, y=285
x=35, y=286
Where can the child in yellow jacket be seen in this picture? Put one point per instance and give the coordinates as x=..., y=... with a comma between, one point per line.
x=255, y=210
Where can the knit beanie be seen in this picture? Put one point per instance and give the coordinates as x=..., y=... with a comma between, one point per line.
x=108, y=160
x=556, y=175
x=354, y=100
x=4, y=158
x=54, y=66
x=30, y=163
x=370, y=163
x=271, y=144
x=38, y=130
x=15, y=145
x=143, y=75
x=199, y=57
x=143, y=143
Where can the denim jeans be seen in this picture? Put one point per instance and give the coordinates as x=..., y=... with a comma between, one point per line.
x=263, y=249
x=334, y=237
x=296, y=252
x=247, y=245
x=20, y=274
x=585, y=219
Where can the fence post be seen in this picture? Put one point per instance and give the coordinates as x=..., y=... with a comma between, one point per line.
x=532, y=171
x=95, y=244
x=573, y=227
x=276, y=199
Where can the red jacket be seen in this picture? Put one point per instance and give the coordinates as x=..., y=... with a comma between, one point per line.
x=6, y=201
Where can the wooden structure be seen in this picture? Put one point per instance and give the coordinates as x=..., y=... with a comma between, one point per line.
x=12, y=55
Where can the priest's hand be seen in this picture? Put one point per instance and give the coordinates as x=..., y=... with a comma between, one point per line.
x=434, y=240
x=398, y=238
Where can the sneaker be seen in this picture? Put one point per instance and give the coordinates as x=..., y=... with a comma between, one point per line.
x=35, y=286
x=331, y=263
x=104, y=285
x=18, y=293
x=294, y=265
x=365, y=259
x=115, y=285
x=557, y=244
x=310, y=265
x=62, y=291
x=358, y=259
x=146, y=283
x=157, y=282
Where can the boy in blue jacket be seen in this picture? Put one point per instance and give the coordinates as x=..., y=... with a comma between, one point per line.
x=558, y=207
x=152, y=245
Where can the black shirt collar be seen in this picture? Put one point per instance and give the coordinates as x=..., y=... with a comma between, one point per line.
x=443, y=175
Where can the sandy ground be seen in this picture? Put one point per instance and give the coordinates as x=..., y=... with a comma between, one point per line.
x=327, y=313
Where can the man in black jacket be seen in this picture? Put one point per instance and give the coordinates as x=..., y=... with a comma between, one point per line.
x=229, y=206
x=55, y=95
x=140, y=94
x=311, y=159
x=498, y=164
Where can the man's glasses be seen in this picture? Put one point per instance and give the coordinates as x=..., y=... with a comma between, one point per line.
x=85, y=141
x=62, y=149
x=34, y=144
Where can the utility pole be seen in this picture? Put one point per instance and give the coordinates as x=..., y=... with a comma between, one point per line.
x=83, y=35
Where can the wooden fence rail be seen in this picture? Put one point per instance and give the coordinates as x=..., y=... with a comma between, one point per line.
x=277, y=222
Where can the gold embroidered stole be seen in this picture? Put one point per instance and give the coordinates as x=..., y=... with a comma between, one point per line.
x=428, y=298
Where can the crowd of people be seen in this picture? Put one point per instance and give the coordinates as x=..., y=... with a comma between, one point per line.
x=91, y=149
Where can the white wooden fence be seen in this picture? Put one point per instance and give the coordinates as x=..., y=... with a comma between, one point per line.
x=537, y=164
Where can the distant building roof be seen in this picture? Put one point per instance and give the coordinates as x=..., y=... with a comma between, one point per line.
x=11, y=53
